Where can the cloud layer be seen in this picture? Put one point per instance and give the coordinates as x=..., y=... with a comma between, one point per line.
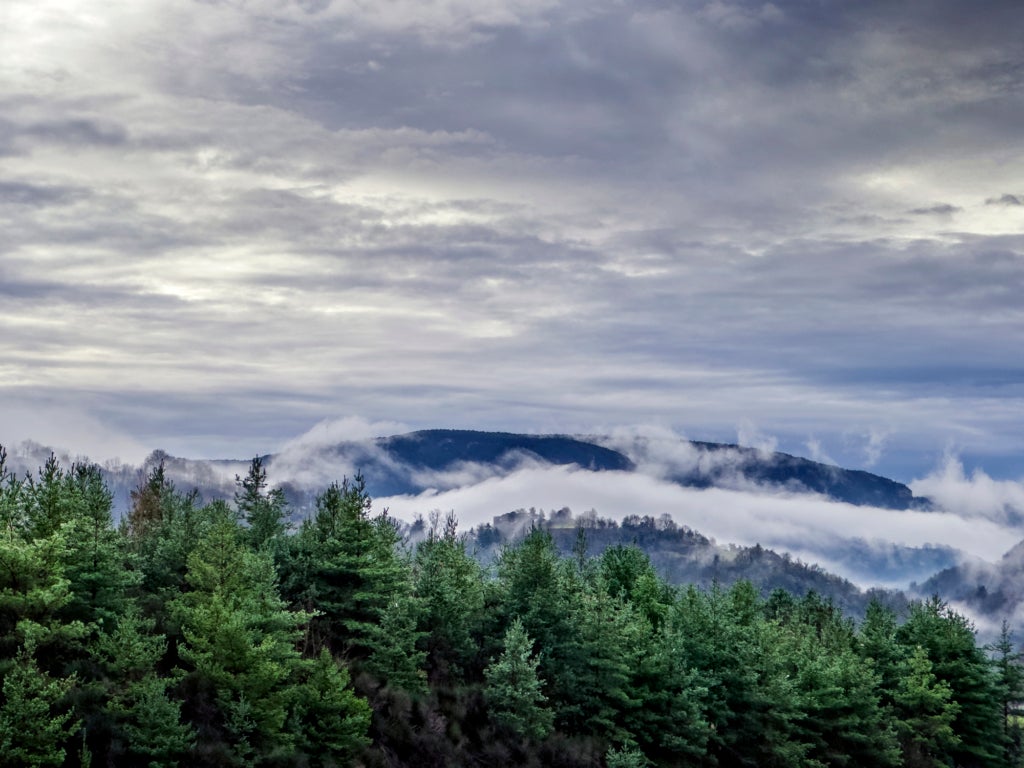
x=808, y=527
x=224, y=222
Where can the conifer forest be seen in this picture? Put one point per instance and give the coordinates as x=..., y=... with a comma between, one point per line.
x=221, y=634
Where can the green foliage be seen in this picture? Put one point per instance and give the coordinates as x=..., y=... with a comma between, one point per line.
x=877, y=642
x=394, y=659
x=513, y=692
x=1009, y=672
x=212, y=636
x=753, y=702
x=148, y=728
x=449, y=585
x=96, y=560
x=926, y=712
x=32, y=587
x=263, y=511
x=332, y=722
x=668, y=721
x=948, y=640
x=34, y=719
x=162, y=529
x=239, y=644
x=344, y=565
x=145, y=723
x=625, y=757
x=627, y=572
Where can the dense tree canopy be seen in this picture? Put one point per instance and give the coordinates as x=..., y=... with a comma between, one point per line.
x=213, y=635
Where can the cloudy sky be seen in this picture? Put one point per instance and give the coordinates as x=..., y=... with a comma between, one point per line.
x=792, y=223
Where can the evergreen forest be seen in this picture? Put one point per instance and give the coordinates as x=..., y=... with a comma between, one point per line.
x=219, y=634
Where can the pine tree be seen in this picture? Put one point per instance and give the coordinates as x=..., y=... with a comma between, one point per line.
x=33, y=592
x=513, y=692
x=1010, y=685
x=145, y=723
x=876, y=641
x=950, y=645
x=95, y=559
x=262, y=511
x=925, y=713
x=332, y=722
x=49, y=504
x=627, y=571
x=667, y=721
x=394, y=660
x=34, y=720
x=239, y=647
x=345, y=565
x=753, y=703
x=449, y=586
x=626, y=757
x=152, y=501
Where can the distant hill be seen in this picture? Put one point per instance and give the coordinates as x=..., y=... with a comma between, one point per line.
x=994, y=590
x=679, y=554
x=794, y=473
x=418, y=461
x=441, y=459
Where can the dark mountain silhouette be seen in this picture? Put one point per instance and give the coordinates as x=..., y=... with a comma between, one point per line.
x=992, y=590
x=794, y=473
x=441, y=448
x=408, y=464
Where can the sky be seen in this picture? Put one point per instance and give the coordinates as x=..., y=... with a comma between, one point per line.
x=793, y=224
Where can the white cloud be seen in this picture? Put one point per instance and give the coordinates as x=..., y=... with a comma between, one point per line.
x=974, y=496
x=313, y=459
x=875, y=446
x=816, y=451
x=749, y=436
x=68, y=430
x=330, y=432
x=785, y=522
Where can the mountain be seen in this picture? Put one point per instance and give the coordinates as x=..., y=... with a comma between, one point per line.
x=984, y=589
x=798, y=474
x=431, y=462
x=680, y=555
x=439, y=459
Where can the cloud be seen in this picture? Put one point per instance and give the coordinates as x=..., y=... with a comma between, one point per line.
x=974, y=496
x=740, y=16
x=816, y=451
x=940, y=209
x=874, y=446
x=70, y=431
x=807, y=525
x=531, y=215
x=332, y=450
x=1005, y=199
x=330, y=432
x=748, y=435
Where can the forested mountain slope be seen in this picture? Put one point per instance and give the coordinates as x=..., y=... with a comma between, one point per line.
x=208, y=634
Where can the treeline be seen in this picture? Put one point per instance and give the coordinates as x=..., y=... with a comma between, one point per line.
x=212, y=635
x=681, y=555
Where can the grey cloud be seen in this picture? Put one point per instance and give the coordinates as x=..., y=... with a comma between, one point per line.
x=37, y=195
x=693, y=213
x=78, y=131
x=1005, y=199
x=940, y=209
